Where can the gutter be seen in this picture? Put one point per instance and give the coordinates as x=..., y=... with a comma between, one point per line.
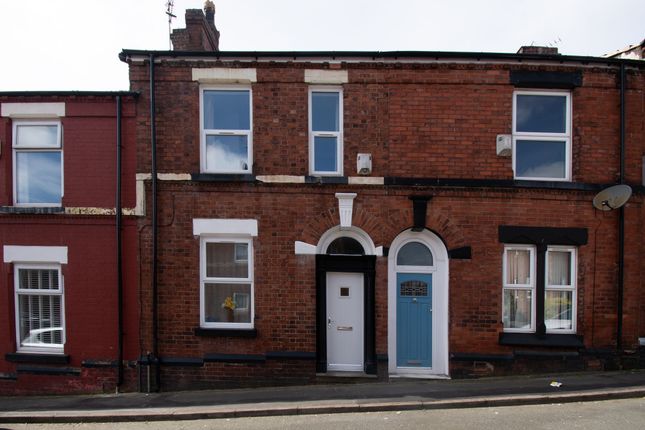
x=371, y=56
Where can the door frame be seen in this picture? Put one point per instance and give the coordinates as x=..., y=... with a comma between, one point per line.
x=365, y=264
x=440, y=315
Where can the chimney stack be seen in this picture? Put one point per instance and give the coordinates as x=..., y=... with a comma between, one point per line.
x=200, y=33
x=538, y=50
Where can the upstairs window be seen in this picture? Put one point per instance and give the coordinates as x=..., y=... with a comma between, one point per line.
x=226, y=124
x=326, y=131
x=38, y=163
x=542, y=135
x=39, y=308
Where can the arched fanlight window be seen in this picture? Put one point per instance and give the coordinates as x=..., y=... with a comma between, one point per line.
x=414, y=254
x=345, y=246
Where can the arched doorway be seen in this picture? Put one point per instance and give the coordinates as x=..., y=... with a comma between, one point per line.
x=345, y=301
x=418, y=305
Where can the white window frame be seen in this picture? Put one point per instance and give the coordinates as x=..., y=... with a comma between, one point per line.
x=16, y=148
x=573, y=287
x=42, y=349
x=531, y=286
x=566, y=136
x=205, y=239
x=214, y=132
x=337, y=134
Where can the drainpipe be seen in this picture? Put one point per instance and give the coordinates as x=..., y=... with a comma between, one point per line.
x=153, y=168
x=621, y=218
x=119, y=266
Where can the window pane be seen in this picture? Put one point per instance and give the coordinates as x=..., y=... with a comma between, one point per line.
x=227, y=110
x=325, y=113
x=541, y=114
x=222, y=261
x=35, y=136
x=38, y=279
x=559, y=268
x=40, y=320
x=228, y=153
x=518, y=266
x=414, y=254
x=345, y=246
x=517, y=309
x=558, y=310
x=325, y=154
x=227, y=303
x=38, y=177
x=540, y=158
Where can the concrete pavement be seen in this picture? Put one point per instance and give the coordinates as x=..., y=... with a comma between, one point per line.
x=398, y=394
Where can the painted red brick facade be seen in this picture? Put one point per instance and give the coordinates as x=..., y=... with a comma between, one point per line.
x=430, y=124
x=84, y=225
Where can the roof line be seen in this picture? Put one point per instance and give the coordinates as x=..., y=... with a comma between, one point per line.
x=373, y=55
x=69, y=93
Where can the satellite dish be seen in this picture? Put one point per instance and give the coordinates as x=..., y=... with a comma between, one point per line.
x=612, y=198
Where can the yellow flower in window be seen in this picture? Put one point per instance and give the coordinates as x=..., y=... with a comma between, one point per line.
x=228, y=303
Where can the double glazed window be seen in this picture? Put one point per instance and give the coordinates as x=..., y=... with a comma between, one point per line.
x=226, y=283
x=521, y=289
x=226, y=130
x=326, y=131
x=542, y=135
x=39, y=308
x=38, y=163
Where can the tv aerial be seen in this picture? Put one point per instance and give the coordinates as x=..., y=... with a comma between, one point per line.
x=612, y=198
x=170, y=4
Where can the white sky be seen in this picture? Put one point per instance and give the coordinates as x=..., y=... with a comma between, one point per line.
x=73, y=44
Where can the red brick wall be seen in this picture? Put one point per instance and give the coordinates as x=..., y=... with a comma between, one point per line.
x=90, y=295
x=418, y=120
x=426, y=121
x=89, y=151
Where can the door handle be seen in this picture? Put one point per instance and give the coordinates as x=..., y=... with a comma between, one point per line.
x=328, y=322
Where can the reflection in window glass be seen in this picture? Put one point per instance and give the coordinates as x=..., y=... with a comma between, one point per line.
x=325, y=115
x=325, y=154
x=227, y=110
x=226, y=153
x=414, y=254
x=558, y=310
x=38, y=177
x=540, y=159
x=37, y=136
x=222, y=261
x=40, y=321
x=541, y=113
x=517, y=309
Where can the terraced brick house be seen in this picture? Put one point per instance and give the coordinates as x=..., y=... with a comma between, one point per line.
x=385, y=214
x=68, y=308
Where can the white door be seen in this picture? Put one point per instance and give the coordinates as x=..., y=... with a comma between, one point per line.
x=345, y=322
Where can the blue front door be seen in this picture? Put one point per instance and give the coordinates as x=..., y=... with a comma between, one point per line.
x=414, y=320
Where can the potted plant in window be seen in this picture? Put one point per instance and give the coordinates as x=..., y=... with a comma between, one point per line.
x=229, y=307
